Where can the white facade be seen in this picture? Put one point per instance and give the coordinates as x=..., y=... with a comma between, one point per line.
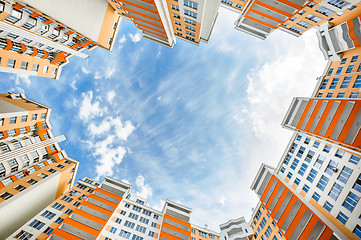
x=235, y=229
x=326, y=173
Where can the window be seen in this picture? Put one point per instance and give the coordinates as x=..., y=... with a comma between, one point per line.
x=316, y=144
x=325, y=11
x=328, y=206
x=312, y=175
x=125, y=234
x=67, y=199
x=47, y=214
x=350, y=68
x=289, y=175
x=309, y=156
x=129, y=224
x=23, y=235
x=175, y=7
x=357, y=231
x=118, y=220
x=316, y=196
x=187, y=20
x=335, y=191
x=76, y=203
x=331, y=167
x=6, y=195
x=322, y=183
x=306, y=188
x=292, y=18
x=307, y=141
x=36, y=224
x=48, y=230
x=288, y=158
x=176, y=16
x=283, y=170
x=350, y=201
x=68, y=211
x=20, y=188
x=330, y=72
x=302, y=169
x=358, y=82
x=11, y=63
x=34, y=117
x=297, y=181
x=113, y=230
x=32, y=181
x=151, y=234
x=154, y=224
x=268, y=232
x=327, y=148
x=35, y=67
x=135, y=237
x=299, y=137
x=334, y=83
x=319, y=161
x=354, y=159
x=294, y=163
x=58, y=206
x=191, y=14
x=354, y=95
x=345, y=174
x=339, y=70
x=12, y=120
x=343, y=61
x=144, y=220
x=342, y=218
x=263, y=223
x=156, y=217
x=134, y=216
x=357, y=185
x=140, y=229
x=311, y=4
x=304, y=24
x=45, y=69
x=354, y=58
x=297, y=30
x=190, y=4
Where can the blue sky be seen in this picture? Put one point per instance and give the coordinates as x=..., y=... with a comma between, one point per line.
x=191, y=124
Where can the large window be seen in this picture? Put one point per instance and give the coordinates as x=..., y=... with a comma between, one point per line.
x=350, y=201
x=335, y=191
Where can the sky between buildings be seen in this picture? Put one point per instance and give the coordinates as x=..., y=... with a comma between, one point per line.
x=191, y=124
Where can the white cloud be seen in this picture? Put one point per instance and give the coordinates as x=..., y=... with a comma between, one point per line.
x=98, y=129
x=107, y=155
x=110, y=96
x=21, y=79
x=109, y=72
x=122, y=39
x=84, y=70
x=135, y=37
x=144, y=190
x=89, y=108
x=97, y=75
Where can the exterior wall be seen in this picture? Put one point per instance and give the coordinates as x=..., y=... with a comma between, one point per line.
x=336, y=120
x=312, y=15
x=152, y=18
x=33, y=169
x=260, y=226
x=306, y=166
x=342, y=89
x=236, y=229
x=199, y=233
x=133, y=218
x=290, y=214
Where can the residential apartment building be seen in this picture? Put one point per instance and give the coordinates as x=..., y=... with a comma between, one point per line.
x=38, y=38
x=107, y=210
x=151, y=18
x=33, y=169
x=236, y=229
x=326, y=177
x=193, y=21
x=203, y=233
x=336, y=120
x=261, y=17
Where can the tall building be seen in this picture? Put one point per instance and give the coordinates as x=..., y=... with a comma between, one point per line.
x=107, y=210
x=38, y=38
x=202, y=233
x=236, y=229
x=261, y=17
x=33, y=169
x=332, y=119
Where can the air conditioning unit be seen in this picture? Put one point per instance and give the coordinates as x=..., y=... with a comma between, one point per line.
x=334, y=170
